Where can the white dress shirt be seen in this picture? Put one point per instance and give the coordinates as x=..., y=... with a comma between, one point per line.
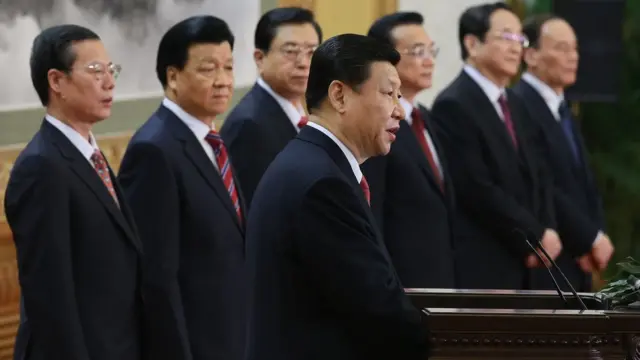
x=551, y=98
x=490, y=89
x=293, y=113
x=408, y=109
x=199, y=129
x=86, y=146
x=345, y=150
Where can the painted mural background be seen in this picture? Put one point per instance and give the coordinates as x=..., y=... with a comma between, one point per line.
x=130, y=29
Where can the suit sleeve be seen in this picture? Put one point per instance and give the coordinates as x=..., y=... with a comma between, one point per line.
x=375, y=170
x=339, y=252
x=575, y=229
x=150, y=187
x=37, y=208
x=476, y=190
x=249, y=155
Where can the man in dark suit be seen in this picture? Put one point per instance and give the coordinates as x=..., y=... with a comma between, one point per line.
x=323, y=285
x=178, y=178
x=500, y=182
x=271, y=114
x=552, y=62
x=411, y=193
x=77, y=247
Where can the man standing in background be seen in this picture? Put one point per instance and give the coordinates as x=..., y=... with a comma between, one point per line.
x=502, y=188
x=272, y=113
x=178, y=178
x=411, y=191
x=79, y=256
x=552, y=62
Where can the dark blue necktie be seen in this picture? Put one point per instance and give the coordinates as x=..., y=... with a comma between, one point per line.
x=566, y=122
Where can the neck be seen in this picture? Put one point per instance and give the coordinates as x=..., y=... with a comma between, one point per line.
x=331, y=125
x=69, y=118
x=499, y=80
x=559, y=90
x=206, y=119
x=408, y=94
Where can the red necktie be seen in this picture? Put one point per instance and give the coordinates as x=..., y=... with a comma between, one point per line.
x=364, y=185
x=303, y=122
x=222, y=158
x=100, y=164
x=506, y=113
x=417, y=125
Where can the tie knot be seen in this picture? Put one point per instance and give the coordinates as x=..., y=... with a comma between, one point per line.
x=563, y=110
x=97, y=157
x=502, y=100
x=303, y=122
x=214, y=139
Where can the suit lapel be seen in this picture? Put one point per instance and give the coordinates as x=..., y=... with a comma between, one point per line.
x=279, y=123
x=83, y=169
x=408, y=144
x=194, y=152
x=492, y=119
x=314, y=136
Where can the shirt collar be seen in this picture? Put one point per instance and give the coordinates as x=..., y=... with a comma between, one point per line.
x=408, y=109
x=86, y=146
x=550, y=97
x=199, y=129
x=293, y=113
x=492, y=90
x=347, y=153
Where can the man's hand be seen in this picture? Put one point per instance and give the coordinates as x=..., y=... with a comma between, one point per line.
x=598, y=258
x=551, y=243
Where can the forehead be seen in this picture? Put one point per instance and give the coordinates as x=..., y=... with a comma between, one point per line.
x=410, y=34
x=559, y=30
x=382, y=73
x=90, y=50
x=296, y=33
x=504, y=20
x=210, y=52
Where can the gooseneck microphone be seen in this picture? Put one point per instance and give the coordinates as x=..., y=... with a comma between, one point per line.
x=554, y=265
x=553, y=278
x=573, y=290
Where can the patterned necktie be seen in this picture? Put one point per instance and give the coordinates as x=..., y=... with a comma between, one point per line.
x=224, y=165
x=566, y=122
x=506, y=113
x=100, y=165
x=364, y=185
x=303, y=122
x=417, y=125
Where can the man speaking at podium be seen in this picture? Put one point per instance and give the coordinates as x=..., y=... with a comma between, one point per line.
x=322, y=284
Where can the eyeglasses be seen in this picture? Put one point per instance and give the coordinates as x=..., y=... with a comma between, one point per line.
x=422, y=52
x=100, y=70
x=293, y=51
x=512, y=37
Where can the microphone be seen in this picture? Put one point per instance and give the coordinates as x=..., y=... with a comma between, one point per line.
x=553, y=278
x=553, y=263
x=573, y=290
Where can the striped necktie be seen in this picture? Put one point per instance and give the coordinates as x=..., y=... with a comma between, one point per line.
x=224, y=165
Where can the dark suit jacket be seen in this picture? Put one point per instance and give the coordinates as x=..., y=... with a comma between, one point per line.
x=415, y=216
x=578, y=207
x=501, y=191
x=255, y=132
x=78, y=257
x=323, y=286
x=195, y=274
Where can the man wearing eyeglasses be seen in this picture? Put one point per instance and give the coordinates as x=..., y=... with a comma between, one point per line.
x=78, y=251
x=272, y=112
x=552, y=62
x=502, y=190
x=411, y=190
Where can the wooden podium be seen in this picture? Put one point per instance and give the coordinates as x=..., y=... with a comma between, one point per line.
x=502, y=324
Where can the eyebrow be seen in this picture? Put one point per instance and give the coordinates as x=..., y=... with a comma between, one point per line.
x=288, y=43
